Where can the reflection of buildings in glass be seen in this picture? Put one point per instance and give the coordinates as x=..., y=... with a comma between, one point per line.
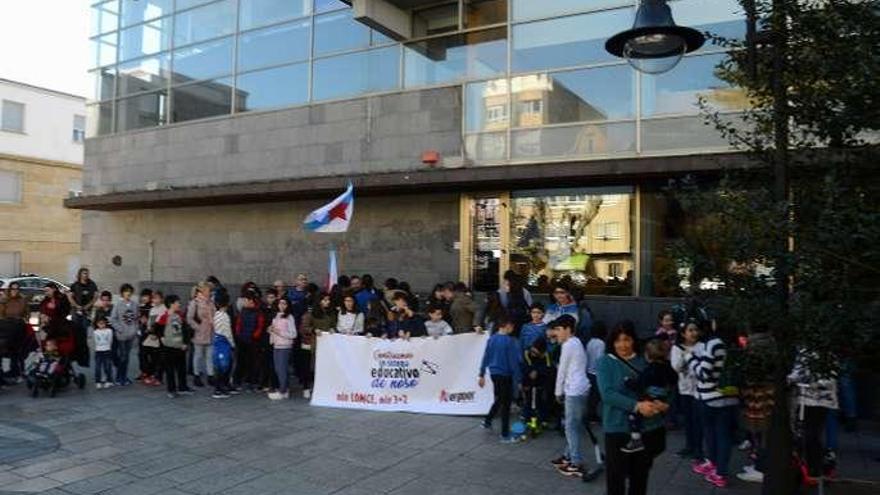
x=585, y=237
x=487, y=243
x=537, y=100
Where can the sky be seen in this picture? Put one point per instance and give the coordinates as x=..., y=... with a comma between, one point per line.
x=45, y=43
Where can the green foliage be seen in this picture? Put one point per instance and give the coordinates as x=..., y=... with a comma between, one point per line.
x=827, y=233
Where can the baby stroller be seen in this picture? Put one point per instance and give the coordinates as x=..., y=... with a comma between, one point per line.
x=53, y=370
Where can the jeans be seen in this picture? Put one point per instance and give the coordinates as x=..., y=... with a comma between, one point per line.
x=693, y=425
x=203, y=359
x=103, y=363
x=281, y=358
x=123, y=353
x=246, y=363
x=503, y=389
x=174, y=361
x=719, y=426
x=814, y=423
x=303, y=365
x=575, y=406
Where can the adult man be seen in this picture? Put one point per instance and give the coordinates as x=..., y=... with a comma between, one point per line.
x=82, y=296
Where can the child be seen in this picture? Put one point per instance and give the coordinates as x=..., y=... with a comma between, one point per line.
x=436, y=326
x=143, y=316
x=49, y=363
x=687, y=390
x=282, y=332
x=103, y=354
x=666, y=326
x=124, y=319
x=534, y=329
x=265, y=358
x=350, y=321
x=537, y=368
x=654, y=383
x=249, y=327
x=152, y=344
x=374, y=327
x=502, y=359
x=103, y=307
x=403, y=323
x=174, y=345
x=572, y=388
x=223, y=345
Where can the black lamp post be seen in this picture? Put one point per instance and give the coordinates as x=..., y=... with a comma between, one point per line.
x=655, y=44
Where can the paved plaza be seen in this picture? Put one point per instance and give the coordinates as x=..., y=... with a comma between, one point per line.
x=135, y=441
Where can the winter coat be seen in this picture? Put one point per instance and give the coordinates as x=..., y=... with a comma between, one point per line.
x=200, y=317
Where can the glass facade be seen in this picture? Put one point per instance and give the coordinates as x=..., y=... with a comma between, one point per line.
x=536, y=81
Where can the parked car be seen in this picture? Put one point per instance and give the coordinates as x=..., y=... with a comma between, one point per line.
x=32, y=287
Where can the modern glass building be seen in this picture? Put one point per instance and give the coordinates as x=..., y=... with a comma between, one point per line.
x=552, y=152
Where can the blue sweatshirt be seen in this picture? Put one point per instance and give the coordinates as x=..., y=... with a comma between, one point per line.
x=502, y=357
x=531, y=332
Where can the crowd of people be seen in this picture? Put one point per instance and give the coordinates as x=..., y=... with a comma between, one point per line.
x=556, y=364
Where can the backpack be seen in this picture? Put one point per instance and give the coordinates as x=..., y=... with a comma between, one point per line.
x=222, y=353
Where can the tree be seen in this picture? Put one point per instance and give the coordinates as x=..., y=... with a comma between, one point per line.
x=793, y=239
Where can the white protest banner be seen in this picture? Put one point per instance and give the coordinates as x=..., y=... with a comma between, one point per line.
x=425, y=375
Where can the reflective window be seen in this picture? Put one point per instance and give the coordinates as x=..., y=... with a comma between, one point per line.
x=486, y=147
x=677, y=91
x=574, y=141
x=145, y=39
x=556, y=234
x=255, y=13
x=568, y=41
x=135, y=11
x=484, y=12
x=573, y=96
x=681, y=133
x=470, y=55
x=534, y=9
x=274, y=45
x=720, y=17
x=99, y=119
x=185, y=4
x=351, y=74
x=205, y=22
x=486, y=106
x=338, y=32
x=137, y=112
x=378, y=38
x=146, y=74
x=203, y=61
x=10, y=192
x=105, y=17
x=328, y=5
x=102, y=83
x=272, y=88
x=79, y=130
x=201, y=100
x=12, y=116
x=104, y=49
x=486, y=216
x=435, y=20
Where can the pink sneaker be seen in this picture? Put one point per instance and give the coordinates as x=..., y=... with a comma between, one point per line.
x=704, y=468
x=717, y=480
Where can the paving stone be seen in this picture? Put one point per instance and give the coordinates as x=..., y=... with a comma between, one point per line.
x=37, y=484
x=99, y=484
x=83, y=471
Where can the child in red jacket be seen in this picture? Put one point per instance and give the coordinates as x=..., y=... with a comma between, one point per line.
x=249, y=326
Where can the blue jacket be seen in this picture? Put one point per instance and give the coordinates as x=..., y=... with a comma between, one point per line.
x=618, y=400
x=502, y=357
x=363, y=298
x=530, y=333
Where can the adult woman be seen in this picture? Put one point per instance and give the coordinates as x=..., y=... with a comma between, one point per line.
x=15, y=332
x=15, y=304
x=515, y=299
x=618, y=402
x=53, y=319
x=320, y=318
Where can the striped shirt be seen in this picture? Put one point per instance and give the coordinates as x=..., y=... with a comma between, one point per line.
x=706, y=363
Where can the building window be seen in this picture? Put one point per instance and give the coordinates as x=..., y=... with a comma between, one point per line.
x=496, y=113
x=552, y=238
x=10, y=187
x=79, y=128
x=531, y=107
x=608, y=231
x=10, y=263
x=13, y=116
x=74, y=188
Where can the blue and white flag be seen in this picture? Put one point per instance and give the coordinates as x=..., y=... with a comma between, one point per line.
x=334, y=216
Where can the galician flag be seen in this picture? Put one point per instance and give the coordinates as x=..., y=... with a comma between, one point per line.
x=332, y=271
x=334, y=216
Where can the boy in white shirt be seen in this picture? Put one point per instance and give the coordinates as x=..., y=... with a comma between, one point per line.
x=436, y=326
x=103, y=354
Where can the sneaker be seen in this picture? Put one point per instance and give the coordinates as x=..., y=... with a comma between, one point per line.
x=751, y=474
x=274, y=396
x=108, y=384
x=234, y=391
x=703, y=468
x=634, y=445
x=560, y=461
x=220, y=395
x=717, y=480
x=486, y=425
x=745, y=445
x=592, y=474
x=172, y=395
x=571, y=470
x=307, y=394
x=99, y=385
x=185, y=391
x=197, y=381
x=509, y=439
x=283, y=395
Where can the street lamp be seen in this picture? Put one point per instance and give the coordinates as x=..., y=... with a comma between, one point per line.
x=654, y=44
